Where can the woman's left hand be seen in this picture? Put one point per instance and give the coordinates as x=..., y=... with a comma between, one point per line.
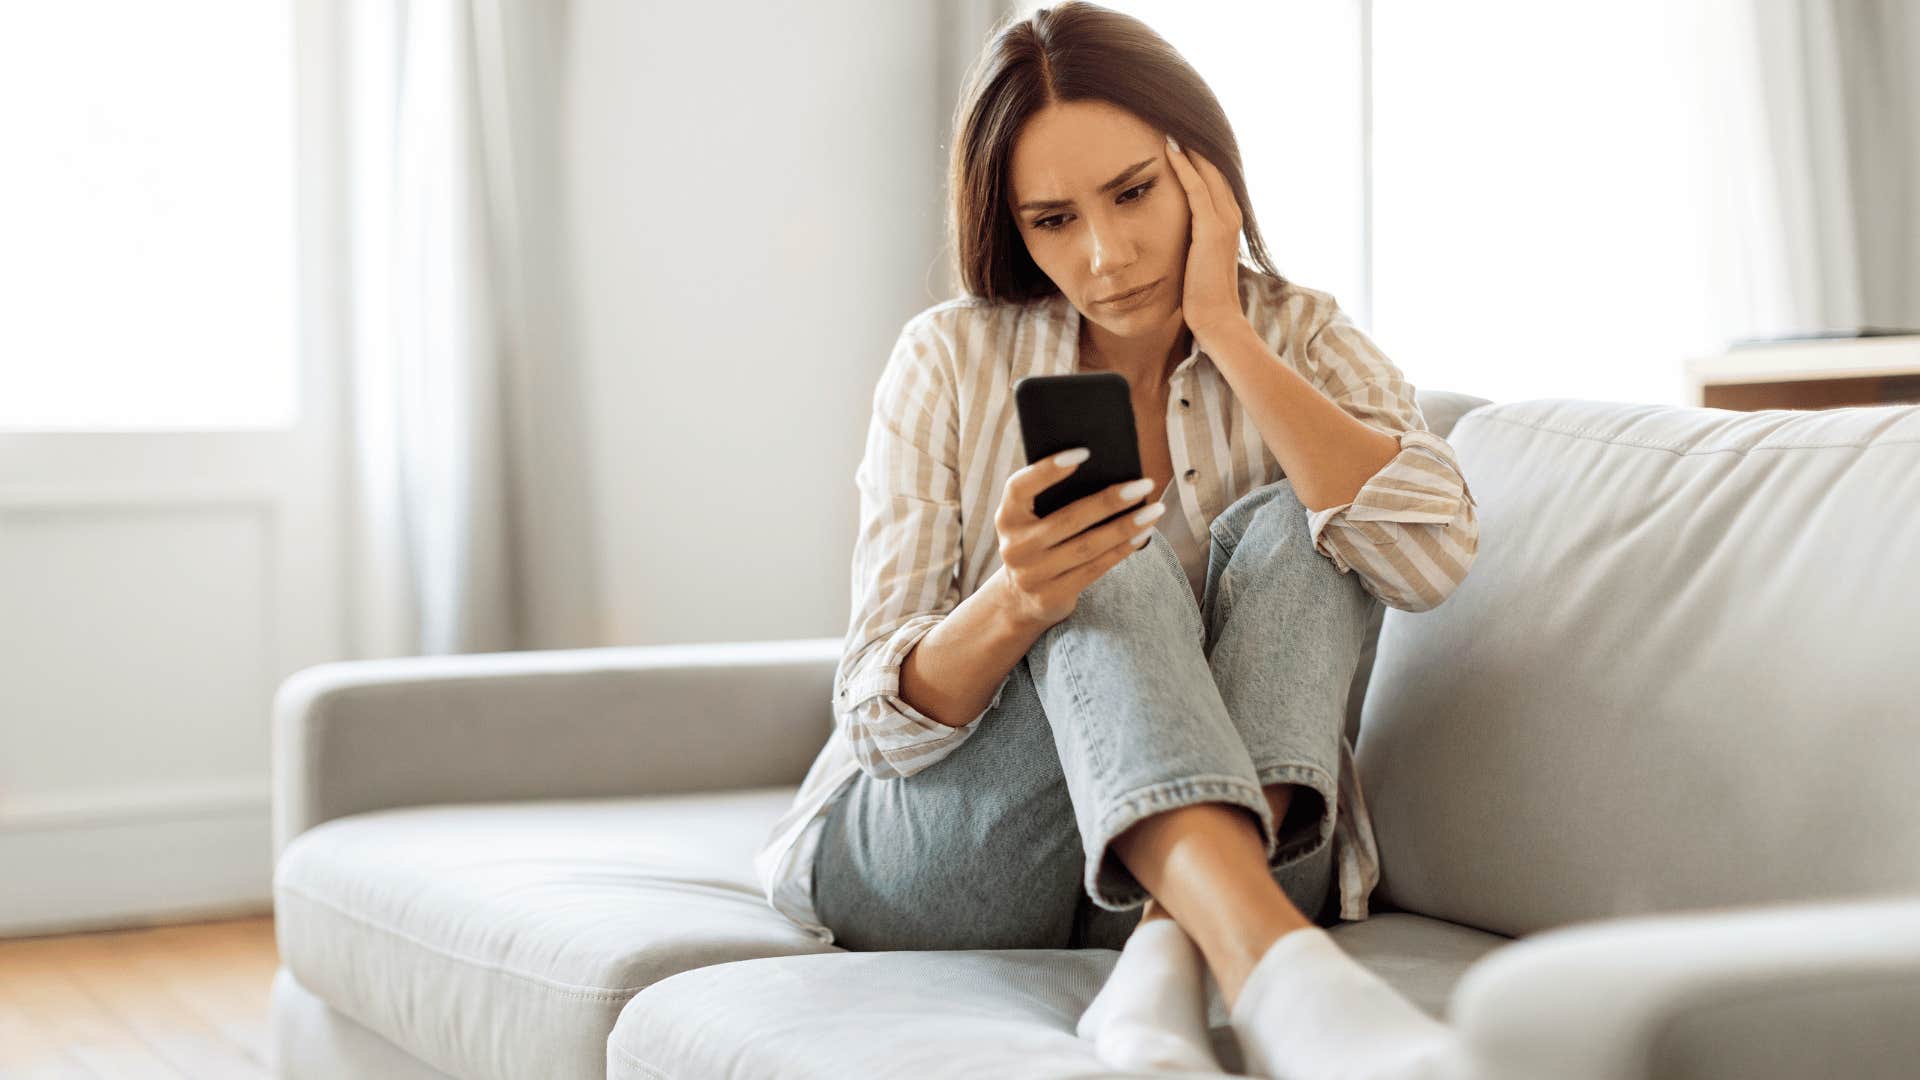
x=1210, y=297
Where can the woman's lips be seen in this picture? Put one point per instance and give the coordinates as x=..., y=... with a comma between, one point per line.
x=1134, y=297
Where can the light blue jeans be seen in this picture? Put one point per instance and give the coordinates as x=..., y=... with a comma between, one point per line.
x=1136, y=703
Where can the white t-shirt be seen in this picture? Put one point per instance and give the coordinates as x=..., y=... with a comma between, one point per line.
x=1192, y=546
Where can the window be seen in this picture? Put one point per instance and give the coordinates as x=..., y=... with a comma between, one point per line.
x=1553, y=161
x=148, y=208
x=1543, y=158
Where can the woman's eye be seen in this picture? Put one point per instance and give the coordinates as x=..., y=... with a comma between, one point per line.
x=1141, y=188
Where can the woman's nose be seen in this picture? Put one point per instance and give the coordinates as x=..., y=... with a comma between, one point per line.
x=1111, y=249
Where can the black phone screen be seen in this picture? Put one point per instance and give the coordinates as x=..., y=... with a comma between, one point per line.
x=1093, y=409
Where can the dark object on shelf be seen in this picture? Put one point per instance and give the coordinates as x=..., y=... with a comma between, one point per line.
x=1824, y=335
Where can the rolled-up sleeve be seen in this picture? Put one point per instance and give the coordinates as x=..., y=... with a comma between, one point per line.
x=1411, y=531
x=905, y=558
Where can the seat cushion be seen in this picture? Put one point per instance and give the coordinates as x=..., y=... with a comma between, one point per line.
x=950, y=1014
x=503, y=939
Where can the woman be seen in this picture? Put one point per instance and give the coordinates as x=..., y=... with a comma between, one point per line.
x=1038, y=733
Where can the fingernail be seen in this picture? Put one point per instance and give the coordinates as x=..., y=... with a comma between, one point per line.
x=1173, y=143
x=1149, y=513
x=1137, y=488
x=1072, y=457
x=1141, y=539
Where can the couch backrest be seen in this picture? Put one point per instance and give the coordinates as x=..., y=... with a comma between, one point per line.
x=1683, y=671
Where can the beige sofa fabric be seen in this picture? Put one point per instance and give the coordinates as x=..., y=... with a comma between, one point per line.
x=365, y=735
x=1681, y=675
x=1684, y=672
x=501, y=941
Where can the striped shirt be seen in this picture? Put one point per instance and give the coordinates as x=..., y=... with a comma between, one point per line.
x=945, y=436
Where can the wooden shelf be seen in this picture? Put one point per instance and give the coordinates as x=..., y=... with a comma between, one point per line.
x=1823, y=374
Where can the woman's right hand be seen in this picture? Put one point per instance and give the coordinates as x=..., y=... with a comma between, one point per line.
x=1049, y=560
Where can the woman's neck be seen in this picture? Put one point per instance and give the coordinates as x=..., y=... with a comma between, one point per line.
x=1149, y=370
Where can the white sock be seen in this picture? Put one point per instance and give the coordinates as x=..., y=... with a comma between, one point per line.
x=1152, y=1013
x=1308, y=1011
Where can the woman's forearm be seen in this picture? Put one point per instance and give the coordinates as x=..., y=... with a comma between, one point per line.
x=951, y=673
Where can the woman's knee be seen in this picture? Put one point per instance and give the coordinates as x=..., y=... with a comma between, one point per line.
x=1266, y=537
x=1151, y=580
x=1276, y=512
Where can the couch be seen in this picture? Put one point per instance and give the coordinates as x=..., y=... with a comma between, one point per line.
x=1646, y=790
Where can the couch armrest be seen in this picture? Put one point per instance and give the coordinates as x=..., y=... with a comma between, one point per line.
x=359, y=735
x=1809, y=989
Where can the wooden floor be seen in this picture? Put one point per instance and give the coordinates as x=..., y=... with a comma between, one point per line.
x=173, y=1003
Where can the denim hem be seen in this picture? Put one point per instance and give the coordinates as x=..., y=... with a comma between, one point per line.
x=1123, y=891
x=1326, y=787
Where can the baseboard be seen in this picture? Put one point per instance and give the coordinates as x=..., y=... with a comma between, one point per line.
x=103, y=860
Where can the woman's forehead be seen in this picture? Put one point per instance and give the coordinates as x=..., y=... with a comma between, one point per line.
x=1070, y=147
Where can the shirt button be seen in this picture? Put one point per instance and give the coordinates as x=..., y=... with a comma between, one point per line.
x=1191, y=473
x=1183, y=403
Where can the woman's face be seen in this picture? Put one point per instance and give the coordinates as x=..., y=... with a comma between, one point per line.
x=1114, y=216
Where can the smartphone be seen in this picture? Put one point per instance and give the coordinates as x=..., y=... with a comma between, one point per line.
x=1093, y=409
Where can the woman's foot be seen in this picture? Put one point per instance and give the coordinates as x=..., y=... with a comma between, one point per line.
x=1307, y=1009
x=1152, y=1013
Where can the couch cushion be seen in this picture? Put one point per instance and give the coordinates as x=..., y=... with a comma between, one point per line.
x=502, y=940
x=1680, y=673
x=950, y=1014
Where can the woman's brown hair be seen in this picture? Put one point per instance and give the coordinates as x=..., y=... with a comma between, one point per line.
x=1071, y=51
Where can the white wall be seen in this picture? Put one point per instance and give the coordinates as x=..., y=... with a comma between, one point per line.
x=756, y=206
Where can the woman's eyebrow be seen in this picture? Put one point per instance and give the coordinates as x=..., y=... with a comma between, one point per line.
x=1125, y=175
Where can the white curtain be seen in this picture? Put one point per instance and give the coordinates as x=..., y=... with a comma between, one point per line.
x=470, y=526
x=1818, y=151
